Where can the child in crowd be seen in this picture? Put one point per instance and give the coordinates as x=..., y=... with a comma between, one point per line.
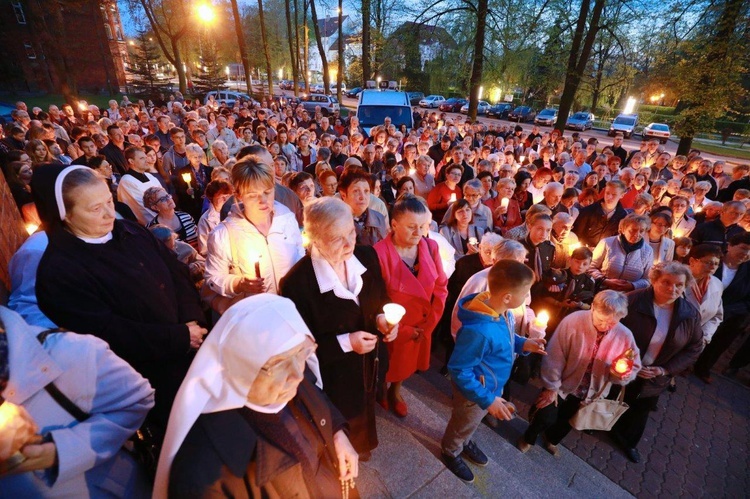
x=481, y=362
x=574, y=292
x=682, y=246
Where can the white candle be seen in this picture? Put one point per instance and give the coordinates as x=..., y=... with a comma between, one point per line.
x=473, y=241
x=452, y=198
x=504, y=202
x=393, y=313
x=521, y=158
x=542, y=319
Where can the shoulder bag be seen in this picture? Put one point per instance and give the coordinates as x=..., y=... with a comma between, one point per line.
x=599, y=413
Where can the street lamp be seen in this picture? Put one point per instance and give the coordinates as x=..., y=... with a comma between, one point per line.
x=206, y=13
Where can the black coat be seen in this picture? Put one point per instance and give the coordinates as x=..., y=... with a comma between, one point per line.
x=192, y=205
x=736, y=297
x=223, y=455
x=592, y=224
x=133, y=293
x=715, y=232
x=682, y=346
x=349, y=378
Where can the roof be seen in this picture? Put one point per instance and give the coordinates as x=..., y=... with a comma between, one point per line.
x=330, y=25
x=348, y=40
x=428, y=34
x=384, y=98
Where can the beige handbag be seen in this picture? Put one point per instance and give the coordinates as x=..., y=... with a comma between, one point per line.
x=599, y=413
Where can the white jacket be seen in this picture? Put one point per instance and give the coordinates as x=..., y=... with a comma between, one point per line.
x=712, y=310
x=278, y=252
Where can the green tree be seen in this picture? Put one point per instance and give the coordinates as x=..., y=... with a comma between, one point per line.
x=211, y=75
x=144, y=61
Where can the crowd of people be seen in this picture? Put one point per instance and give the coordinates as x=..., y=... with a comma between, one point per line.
x=230, y=291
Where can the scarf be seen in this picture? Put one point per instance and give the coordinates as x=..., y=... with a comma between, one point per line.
x=700, y=288
x=628, y=247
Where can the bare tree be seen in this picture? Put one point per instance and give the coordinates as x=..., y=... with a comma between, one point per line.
x=241, y=45
x=293, y=54
x=321, y=48
x=366, y=56
x=265, y=49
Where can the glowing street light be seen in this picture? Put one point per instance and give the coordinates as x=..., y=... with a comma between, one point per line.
x=206, y=13
x=629, y=106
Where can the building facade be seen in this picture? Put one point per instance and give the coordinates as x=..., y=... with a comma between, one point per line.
x=62, y=47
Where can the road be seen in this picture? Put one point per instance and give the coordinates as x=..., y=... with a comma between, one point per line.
x=604, y=139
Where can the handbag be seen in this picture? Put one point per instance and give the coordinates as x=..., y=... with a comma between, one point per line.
x=144, y=445
x=599, y=413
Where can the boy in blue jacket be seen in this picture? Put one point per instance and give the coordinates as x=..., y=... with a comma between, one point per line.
x=481, y=362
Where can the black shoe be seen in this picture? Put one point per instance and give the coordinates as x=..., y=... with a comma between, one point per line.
x=475, y=454
x=459, y=468
x=633, y=454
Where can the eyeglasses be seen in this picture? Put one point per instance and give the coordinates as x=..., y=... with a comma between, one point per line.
x=301, y=356
x=166, y=197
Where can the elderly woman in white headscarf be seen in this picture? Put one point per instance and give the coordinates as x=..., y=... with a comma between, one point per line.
x=250, y=419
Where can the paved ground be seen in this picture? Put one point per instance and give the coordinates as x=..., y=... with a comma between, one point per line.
x=696, y=444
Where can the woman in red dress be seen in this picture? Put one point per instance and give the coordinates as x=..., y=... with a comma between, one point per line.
x=414, y=277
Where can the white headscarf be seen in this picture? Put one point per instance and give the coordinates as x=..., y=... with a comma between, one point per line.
x=248, y=334
x=58, y=187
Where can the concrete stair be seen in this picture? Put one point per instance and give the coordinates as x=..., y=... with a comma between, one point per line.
x=407, y=462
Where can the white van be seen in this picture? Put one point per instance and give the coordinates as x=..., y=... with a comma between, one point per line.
x=375, y=106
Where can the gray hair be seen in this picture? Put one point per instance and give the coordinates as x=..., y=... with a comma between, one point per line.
x=474, y=183
x=703, y=185
x=562, y=217
x=217, y=144
x=553, y=185
x=321, y=214
x=669, y=268
x=508, y=249
x=508, y=181
x=194, y=148
x=611, y=302
x=490, y=239
x=150, y=197
x=633, y=219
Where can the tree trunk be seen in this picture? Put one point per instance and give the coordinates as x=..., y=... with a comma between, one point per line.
x=292, y=55
x=321, y=49
x=476, y=68
x=578, y=58
x=265, y=49
x=178, y=66
x=366, y=69
x=241, y=45
x=306, y=48
x=340, y=73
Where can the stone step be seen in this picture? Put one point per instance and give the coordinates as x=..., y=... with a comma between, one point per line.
x=402, y=466
x=509, y=473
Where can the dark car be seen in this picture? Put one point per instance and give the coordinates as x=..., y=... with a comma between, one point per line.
x=522, y=114
x=500, y=110
x=580, y=121
x=452, y=105
x=353, y=92
x=415, y=97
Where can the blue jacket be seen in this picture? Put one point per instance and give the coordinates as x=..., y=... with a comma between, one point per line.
x=485, y=346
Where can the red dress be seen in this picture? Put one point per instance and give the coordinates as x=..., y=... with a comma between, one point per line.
x=423, y=296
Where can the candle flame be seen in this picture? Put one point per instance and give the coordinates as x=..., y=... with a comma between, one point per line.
x=622, y=366
x=574, y=247
x=542, y=319
x=452, y=198
x=31, y=228
x=412, y=171
x=186, y=177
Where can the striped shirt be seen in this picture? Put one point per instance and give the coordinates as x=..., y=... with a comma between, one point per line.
x=188, y=231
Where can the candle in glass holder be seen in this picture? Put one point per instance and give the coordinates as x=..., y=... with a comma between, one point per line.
x=521, y=158
x=473, y=241
x=12, y=421
x=393, y=313
x=698, y=209
x=412, y=171
x=186, y=177
x=504, y=202
x=453, y=198
x=31, y=228
x=542, y=319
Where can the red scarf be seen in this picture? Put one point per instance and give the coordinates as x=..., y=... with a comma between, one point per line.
x=700, y=288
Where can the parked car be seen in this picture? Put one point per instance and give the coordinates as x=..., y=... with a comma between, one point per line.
x=432, y=101
x=335, y=88
x=452, y=105
x=328, y=103
x=286, y=85
x=546, y=117
x=500, y=110
x=624, y=123
x=415, y=97
x=353, y=92
x=482, y=108
x=657, y=131
x=522, y=114
x=580, y=121
x=229, y=97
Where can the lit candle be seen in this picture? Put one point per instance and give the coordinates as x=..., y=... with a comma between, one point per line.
x=542, y=319
x=255, y=259
x=698, y=209
x=393, y=313
x=305, y=240
x=574, y=247
x=504, y=202
x=473, y=241
x=622, y=366
x=412, y=171
x=521, y=158
x=12, y=421
x=31, y=228
x=624, y=363
x=452, y=198
x=187, y=178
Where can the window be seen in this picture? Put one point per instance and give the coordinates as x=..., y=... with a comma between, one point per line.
x=18, y=11
x=30, y=53
x=108, y=30
x=119, y=32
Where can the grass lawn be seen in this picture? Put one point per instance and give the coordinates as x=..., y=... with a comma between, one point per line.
x=44, y=101
x=732, y=152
